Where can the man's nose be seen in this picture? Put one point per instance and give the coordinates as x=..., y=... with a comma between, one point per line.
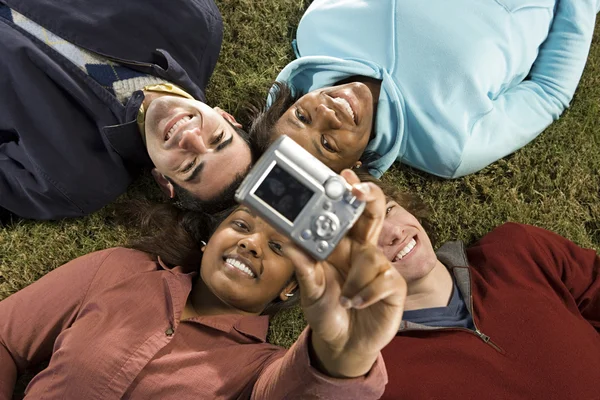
x=327, y=117
x=191, y=140
x=390, y=235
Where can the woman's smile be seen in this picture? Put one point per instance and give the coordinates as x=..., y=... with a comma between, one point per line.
x=240, y=266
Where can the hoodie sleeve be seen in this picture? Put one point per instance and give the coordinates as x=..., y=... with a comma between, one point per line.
x=524, y=111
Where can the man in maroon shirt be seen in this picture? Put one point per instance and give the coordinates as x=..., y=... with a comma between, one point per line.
x=516, y=316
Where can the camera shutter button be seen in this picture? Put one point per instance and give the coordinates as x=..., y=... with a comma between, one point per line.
x=334, y=188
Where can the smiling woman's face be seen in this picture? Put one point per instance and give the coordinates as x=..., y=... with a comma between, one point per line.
x=243, y=264
x=190, y=142
x=334, y=124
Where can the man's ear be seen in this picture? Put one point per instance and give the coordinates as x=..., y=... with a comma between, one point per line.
x=289, y=289
x=165, y=185
x=228, y=117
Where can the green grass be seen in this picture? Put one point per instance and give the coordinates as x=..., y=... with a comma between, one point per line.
x=554, y=182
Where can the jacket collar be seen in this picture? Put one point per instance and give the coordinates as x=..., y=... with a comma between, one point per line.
x=454, y=257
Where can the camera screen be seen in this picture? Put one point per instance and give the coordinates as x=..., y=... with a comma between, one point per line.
x=284, y=193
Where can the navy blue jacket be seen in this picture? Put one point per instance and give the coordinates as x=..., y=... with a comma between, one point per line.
x=67, y=146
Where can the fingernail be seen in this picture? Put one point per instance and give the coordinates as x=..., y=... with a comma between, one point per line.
x=357, y=301
x=363, y=188
x=345, y=302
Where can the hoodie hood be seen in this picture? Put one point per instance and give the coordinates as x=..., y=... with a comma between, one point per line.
x=309, y=73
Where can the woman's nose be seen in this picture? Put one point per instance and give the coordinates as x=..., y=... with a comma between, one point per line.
x=249, y=244
x=328, y=117
x=191, y=140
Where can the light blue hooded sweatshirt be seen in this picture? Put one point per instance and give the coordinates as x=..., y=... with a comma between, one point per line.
x=464, y=82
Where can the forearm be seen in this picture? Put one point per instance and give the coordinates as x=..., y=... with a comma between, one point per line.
x=562, y=56
x=293, y=376
x=8, y=373
x=339, y=363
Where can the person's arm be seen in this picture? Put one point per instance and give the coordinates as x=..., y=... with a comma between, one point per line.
x=294, y=376
x=576, y=267
x=353, y=303
x=524, y=111
x=26, y=193
x=35, y=316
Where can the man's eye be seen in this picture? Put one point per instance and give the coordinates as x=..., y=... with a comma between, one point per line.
x=387, y=211
x=326, y=145
x=301, y=117
x=189, y=166
x=276, y=247
x=218, y=139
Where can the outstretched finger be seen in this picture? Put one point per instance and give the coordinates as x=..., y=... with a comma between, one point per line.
x=367, y=263
x=368, y=226
x=388, y=286
x=309, y=275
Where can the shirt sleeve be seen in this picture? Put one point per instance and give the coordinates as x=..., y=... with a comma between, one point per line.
x=577, y=268
x=524, y=111
x=34, y=317
x=291, y=376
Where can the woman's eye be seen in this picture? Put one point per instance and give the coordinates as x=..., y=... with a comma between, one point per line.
x=241, y=225
x=276, y=247
x=387, y=211
x=301, y=116
x=218, y=138
x=189, y=166
x=326, y=145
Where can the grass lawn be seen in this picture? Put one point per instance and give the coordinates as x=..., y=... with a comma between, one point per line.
x=553, y=182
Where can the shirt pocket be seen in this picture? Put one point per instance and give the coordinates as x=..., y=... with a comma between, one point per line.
x=516, y=5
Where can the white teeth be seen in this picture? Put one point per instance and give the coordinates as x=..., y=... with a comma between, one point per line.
x=239, y=265
x=177, y=125
x=407, y=249
x=344, y=103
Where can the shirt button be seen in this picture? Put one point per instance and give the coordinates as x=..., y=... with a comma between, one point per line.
x=169, y=331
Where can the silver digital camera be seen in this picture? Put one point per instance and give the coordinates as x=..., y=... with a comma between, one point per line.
x=300, y=197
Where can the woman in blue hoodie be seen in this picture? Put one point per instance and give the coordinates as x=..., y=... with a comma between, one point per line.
x=445, y=87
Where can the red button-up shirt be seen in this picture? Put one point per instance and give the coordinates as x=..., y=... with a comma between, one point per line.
x=110, y=324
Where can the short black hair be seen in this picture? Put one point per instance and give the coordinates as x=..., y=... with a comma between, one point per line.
x=262, y=129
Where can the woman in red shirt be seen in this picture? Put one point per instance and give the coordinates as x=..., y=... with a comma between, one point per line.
x=121, y=323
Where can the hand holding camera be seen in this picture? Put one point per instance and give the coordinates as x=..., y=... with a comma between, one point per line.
x=352, y=297
x=354, y=300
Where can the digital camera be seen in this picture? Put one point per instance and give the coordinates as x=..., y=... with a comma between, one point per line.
x=300, y=197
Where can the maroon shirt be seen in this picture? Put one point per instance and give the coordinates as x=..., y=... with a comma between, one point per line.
x=537, y=296
x=110, y=324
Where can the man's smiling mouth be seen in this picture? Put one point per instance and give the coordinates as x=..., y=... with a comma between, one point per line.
x=176, y=124
x=405, y=250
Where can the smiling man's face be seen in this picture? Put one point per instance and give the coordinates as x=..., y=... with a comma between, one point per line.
x=194, y=145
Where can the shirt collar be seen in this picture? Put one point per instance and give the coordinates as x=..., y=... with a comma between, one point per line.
x=454, y=257
x=254, y=326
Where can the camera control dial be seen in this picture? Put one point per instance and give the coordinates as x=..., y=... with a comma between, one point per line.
x=326, y=225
